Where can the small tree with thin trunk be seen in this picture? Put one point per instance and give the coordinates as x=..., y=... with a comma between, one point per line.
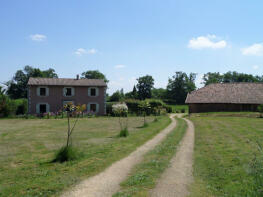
x=121, y=110
x=144, y=106
x=67, y=152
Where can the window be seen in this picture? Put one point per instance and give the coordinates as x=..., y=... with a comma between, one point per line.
x=42, y=108
x=93, y=107
x=68, y=91
x=43, y=91
x=93, y=91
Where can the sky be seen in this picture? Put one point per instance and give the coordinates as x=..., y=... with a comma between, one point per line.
x=127, y=39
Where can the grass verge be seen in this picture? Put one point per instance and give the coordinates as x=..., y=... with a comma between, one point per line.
x=225, y=148
x=28, y=146
x=144, y=176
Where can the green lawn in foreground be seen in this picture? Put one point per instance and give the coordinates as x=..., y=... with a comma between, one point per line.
x=145, y=175
x=224, y=149
x=28, y=146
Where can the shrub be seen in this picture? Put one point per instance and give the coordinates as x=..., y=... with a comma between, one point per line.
x=133, y=105
x=124, y=132
x=182, y=110
x=7, y=106
x=260, y=110
x=168, y=108
x=66, y=153
x=21, y=106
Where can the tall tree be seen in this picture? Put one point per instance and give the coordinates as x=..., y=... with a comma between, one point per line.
x=94, y=74
x=210, y=77
x=180, y=85
x=117, y=96
x=133, y=94
x=159, y=93
x=17, y=87
x=144, y=87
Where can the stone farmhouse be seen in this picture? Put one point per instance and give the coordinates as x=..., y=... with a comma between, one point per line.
x=51, y=94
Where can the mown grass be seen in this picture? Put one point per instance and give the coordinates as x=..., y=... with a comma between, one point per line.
x=28, y=147
x=224, y=150
x=144, y=176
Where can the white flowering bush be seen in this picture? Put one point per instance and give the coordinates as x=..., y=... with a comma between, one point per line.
x=121, y=110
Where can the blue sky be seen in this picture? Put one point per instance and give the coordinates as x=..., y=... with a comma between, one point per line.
x=126, y=39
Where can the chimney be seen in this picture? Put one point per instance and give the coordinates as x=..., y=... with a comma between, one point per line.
x=77, y=77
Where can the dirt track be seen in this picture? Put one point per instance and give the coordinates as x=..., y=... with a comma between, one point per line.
x=175, y=180
x=107, y=182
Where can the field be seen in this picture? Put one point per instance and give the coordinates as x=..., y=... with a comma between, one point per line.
x=28, y=146
x=227, y=160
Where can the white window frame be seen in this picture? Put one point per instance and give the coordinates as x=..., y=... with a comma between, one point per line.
x=38, y=91
x=97, y=107
x=97, y=91
x=72, y=91
x=38, y=107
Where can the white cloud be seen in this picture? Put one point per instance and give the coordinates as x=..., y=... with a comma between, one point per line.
x=209, y=42
x=92, y=51
x=80, y=51
x=38, y=37
x=119, y=66
x=255, y=49
x=255, y=67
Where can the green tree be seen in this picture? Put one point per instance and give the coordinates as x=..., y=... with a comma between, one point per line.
x=117, y=96
x=209, y=78
x=180, y=85
x=144, y=106
x=159, y=93
x=144, y=87
x=17, y=87
x=133, y=94
x=94, y=74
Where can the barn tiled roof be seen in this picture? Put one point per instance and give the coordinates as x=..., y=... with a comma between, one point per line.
x=235, y=93
x=65, y=82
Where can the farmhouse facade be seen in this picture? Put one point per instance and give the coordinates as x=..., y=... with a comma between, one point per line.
x=230, y=97
x=51, y=94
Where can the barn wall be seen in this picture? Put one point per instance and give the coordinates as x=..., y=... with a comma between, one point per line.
x=218, y=107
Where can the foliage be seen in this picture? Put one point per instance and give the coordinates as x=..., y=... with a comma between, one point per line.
x=144, y=87
x=121, y=110
x=117, y=96
x=144, y=107
x=7, y=106
x=17, y=87
x=94, y=74
x=159, y=93
x=180, y=85
x=21, y=106
x=260, y=109
x=66, y=153
x=133, y=94
x=124, y=132
x=230, y=77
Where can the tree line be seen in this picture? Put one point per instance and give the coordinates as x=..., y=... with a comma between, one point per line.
x=178, y=86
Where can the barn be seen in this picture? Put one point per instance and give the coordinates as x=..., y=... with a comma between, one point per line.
x=229, y=97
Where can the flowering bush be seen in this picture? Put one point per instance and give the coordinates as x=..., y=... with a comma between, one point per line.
x=120, y=109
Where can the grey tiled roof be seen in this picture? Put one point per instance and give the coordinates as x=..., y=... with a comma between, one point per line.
x=235, y=93
x=65, y=82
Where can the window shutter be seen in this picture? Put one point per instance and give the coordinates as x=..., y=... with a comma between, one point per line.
x=37, y=108
x=88, y=107
x=48, y=107
x=88, y=91
x=97, y=91
x=47, y=91
x=38, y=91
x=73, y=91
x=97, y=108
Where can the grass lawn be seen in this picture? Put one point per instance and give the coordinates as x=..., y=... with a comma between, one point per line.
x=144, y=176
x=224, y=151
x=28, y=146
